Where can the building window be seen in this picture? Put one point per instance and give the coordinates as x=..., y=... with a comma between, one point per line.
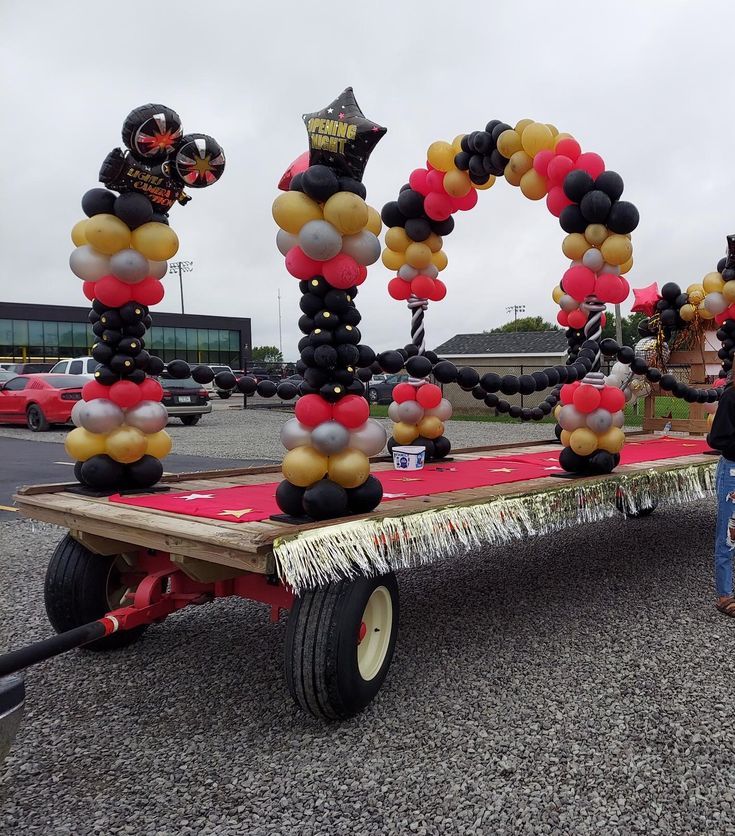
x=31, y=340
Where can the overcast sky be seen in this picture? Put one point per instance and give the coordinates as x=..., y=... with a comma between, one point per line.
x=648, y=85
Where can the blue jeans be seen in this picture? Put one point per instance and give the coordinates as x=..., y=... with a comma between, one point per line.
x=725, y=485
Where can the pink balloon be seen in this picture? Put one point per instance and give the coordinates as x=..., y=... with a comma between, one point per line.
x=558, y=168
x=301, y=163
x=578, y=282
x=435, y=181
x=612, y=289
x=438, y=206
x=569, y=148
x=592, y=163
x=467, y=202
x=541, y=162
x=341, y=272
x=300, y=266
x=418, y=181
x=556, y=200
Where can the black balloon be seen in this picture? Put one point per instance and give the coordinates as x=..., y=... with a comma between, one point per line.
x=349, y=184
x=145, y=472
x=595, y=206
x=134, y=209
x=122, y=172
x=319, y=182
x=576, y=185
x=418, y=366
x=365, y=497
x=247, y=384
x=418, y=229
x=202, y=374
x=392, y=215
x=390, y=361
x=178, y=369
x=289, y=499
x=467, y=378
x=445, y=371
x=623, y=217
x=572, y=219
x=98, y=202
x=102, y=473
x=411, y=203
x=442, y=447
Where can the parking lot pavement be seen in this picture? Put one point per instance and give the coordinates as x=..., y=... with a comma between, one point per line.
x=574, y=684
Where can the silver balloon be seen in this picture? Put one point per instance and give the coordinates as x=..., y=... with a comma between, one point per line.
x=129, y=266
x=570, y=419
x=407, y=272
x=330, y=437
x=393, y=412
x=715, y=303
x=620, y=370
x=618, y=418
x=147, y=416
x=410, y=412
x=285, y=241
x=599, y=421
x=610, y=268
x=567, y=303
x=98, y=416
x=431, y=270
x=88, y=264
x=295, y=434
x=593, y=259
x=157, y=269
x=443, y=412
x=370, y=438
x=320, y=240
x=363, y=247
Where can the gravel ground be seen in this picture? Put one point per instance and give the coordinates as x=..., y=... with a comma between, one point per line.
x=575, y=684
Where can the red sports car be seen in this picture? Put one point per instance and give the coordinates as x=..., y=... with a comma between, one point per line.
x=39, y=400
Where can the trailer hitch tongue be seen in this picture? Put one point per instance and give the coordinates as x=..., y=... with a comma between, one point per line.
x=12, y=697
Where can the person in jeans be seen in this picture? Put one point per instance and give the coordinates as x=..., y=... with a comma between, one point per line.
x=722, y=438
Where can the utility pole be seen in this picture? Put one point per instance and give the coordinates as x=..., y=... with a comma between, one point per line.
x=181, y=267
x=280, y=333
x=516, y=310
x=618, y=325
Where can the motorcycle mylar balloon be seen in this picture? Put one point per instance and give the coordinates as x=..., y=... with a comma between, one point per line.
x=199, y=161
x=152, y=131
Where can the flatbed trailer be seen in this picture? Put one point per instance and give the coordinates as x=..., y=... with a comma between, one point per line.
x=122, y=568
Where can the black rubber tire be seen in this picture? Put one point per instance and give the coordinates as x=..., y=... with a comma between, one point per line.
x=190, y=420
x=320, y=652
x=36, y=420
x=372, y=396
x=75, y=592
x=224, y=395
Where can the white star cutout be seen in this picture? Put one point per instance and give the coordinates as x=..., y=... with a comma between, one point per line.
x=330, y=110
x=553, y=468
x=196, y=496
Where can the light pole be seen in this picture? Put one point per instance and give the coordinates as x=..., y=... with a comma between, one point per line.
x=181, y=267
x=516, y=310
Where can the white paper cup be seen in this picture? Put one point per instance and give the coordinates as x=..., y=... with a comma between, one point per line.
x=408, y=458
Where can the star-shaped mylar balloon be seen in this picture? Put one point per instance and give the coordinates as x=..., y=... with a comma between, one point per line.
x=341, y=137
x=645, y=299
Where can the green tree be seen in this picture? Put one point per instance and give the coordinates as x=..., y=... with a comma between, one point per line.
x=525, y=323
x=266, y=354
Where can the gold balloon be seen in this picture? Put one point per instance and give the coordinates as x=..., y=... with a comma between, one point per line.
x=705, y=313
x=520, y=163
x=393, y=260
x=536, y=137
x=611, y=440
x=375, y=223
x=565, y=438
x=457, y=142
x=687, y=312
x=574, y=246
x=616, y=249
x=557, y=293
x=303, y=466
x=431, y=427
x=728, y=291
x=696, y=294
x=108, y=234
x=434, y=242
x=489, y=184
x=81, y=444
x=522, y=124
x=713, y=283
x=457, y=183
x=292, y=210
x=350, y=468
x=347, y=212
x=126, y=444
x=596, y=234
x=397, y=240
x=554, y=130
x=155, y=241
x=509, y=142
x=77, y=233
x=513, y=177
x=439, y=260
x=419, y=255
x=557, y=410
x=533, y=185
x=583, y=441
x=441, y=155
x=626, y=266
x=158, y=444
x=405, y=433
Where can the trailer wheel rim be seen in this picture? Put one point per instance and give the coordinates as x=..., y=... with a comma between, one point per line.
x=116, y=589
x=374, y=633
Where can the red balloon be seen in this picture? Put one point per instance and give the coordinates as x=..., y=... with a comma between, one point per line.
x=612, y=399
x=404, y=392
x=361, y=273
x=300, y=266
x=563, y=319
x=558, y=169
x=112, y=292
x=92, y=390
x=603, y=320
x=541, y=162
x=301, y=163
x=351, y=411
x=578, y=282
x=313, y=410
x=341, y=272
x=586, y=398
x=429, y=396
x=467, y=202
x=438, y=206
x=590, y=162
x=125, y=393
x=419, y=181
x=440, y=291
x=576, y=319
x=612, y=289
x=422, y=286
x=148, y=292
x=567, y=392
x=569, y=148
x=435, y=181
x=556, y=201
x=150, y=390
x=399, y=289
x=88, y=290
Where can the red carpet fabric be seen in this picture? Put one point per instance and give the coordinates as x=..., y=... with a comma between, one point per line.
x=249, y=503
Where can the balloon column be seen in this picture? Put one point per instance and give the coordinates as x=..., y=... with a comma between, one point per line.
x=121, y=252
x=543, y=163
x=328, y=235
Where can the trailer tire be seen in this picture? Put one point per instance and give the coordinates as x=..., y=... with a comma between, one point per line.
x=77, y=590
x=327, y=672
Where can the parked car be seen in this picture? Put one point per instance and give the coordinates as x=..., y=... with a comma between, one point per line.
x=84, y=366
x=6, y=375
x=40, y=400
x=260, y=373
x=382, y=390
x=28, y=368
x=185, y=399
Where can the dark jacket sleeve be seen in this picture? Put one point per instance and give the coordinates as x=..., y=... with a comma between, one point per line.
x=722, y=435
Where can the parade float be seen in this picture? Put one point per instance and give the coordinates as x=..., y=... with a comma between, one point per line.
x=324, y=540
